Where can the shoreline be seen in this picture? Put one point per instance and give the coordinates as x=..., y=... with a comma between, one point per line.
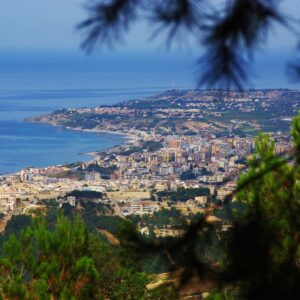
x=127, y=139
x=126, y=135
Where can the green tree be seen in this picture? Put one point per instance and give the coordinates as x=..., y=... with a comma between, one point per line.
x=65, y=262
x=263, y=248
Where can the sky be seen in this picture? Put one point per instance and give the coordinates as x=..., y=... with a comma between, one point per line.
x=51, y=24
x=46, y=25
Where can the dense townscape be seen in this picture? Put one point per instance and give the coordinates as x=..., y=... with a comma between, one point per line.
x=188, y=139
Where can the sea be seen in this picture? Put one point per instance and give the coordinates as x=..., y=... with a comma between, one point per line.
x=38, y=82
x=35, y=82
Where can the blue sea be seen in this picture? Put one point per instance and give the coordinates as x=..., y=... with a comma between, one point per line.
x=35, y=82
x=38, y=82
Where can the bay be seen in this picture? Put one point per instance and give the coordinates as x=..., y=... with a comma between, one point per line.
x=24, y=144
x=35, y=82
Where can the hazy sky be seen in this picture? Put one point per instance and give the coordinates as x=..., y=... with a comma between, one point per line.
x=51, y=23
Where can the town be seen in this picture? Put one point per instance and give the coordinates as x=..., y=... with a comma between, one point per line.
x=182, y=153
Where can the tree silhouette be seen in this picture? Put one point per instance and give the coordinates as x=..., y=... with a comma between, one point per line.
x=230, y=33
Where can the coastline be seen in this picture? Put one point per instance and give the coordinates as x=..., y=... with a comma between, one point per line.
x=129, y=137
x=126, y=139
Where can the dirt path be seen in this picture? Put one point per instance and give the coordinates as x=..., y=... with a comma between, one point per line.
x=3, y=222
x=111, y=238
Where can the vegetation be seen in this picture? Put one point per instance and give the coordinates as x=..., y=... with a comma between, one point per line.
x=94, y=215
x=67, y=262
x=110, y=223
x=152, y=146
x=162, y=218
x=267, y=231
x=183, y=194
x=14, y=226
x=131, y=150
x=188, y=175
x=105, y=172
x=87, y=195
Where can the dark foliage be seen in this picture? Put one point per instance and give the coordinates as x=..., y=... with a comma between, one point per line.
x=175, y=16
x=14, y=226
x=17, y=223
x=152, y=146
x=163, y=218
x=229, y=33
x=67, y=262
x=187, y=175
x=104, y=171
x=85, y=194
x=183, y=194
x=108, y=21
x=232, y=37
